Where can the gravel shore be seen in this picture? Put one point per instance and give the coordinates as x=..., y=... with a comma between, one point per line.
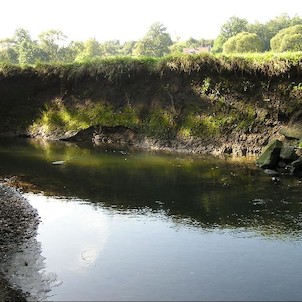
x=18, y=224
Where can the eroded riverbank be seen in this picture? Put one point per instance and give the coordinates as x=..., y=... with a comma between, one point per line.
x=194, y=104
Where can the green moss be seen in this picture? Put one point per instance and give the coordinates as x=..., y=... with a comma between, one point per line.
x=159, y=123
x=58, y=116
x=204, y=125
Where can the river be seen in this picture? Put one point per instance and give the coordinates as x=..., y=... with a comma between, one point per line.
x=119, y=224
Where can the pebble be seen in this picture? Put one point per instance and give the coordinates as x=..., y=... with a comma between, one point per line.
x=18, y=222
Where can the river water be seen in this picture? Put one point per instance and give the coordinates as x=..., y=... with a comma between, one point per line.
x=119, y=224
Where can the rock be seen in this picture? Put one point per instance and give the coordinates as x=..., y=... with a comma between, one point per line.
x=269, y=156
x=59, y=162
x=298, y=152
x=296, y=118
x=293, y=132
x=115, y=135
x=295, y=165
x=104, y=134
x=271, y=172
x=84, y=135
x=288, y=153
x=282, y=164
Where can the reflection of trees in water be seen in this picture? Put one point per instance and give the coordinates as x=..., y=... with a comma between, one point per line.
x=206, y=191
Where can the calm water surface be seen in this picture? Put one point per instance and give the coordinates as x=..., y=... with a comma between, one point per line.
x=124, y=225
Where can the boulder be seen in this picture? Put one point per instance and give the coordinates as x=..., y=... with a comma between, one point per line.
x=271, y=172
x=296, y=118
x=298, y=151
x=288, y=153
x=295, y=165
x=84, y=135
x=269, y=156
x=105, y=134
x=292, y=132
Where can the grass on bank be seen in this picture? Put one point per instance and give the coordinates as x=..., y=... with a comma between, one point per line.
x=118, y=68
x=58, y=116
x=161, y=123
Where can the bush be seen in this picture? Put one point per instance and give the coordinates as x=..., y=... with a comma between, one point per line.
x=243, y=42
x=287, y=39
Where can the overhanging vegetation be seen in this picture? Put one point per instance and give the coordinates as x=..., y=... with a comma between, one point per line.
x=121, y=68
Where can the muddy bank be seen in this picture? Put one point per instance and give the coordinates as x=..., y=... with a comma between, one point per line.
x=237, y=145
x=19, y=222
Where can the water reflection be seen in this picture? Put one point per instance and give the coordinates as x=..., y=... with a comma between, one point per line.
x=203, y=191
x=104, y=254
x=86, y=233
x=24, y=267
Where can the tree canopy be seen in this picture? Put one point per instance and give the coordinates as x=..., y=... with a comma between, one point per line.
x=288, y=39
x=155, y=43
x=281, y=33
x=264, y=31
x=243, y=42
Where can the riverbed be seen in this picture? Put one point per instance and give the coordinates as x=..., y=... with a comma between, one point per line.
x=119, y=224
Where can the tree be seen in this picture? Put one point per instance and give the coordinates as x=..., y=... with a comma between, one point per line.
x=10, y=48
x=218, y=44
x=110, y=48
x=155, y=43
x=242, y=43
x=292, y=43
x=206, y=42
x=233, y=27
x=91, y=50
x=229, y=29
x=8, y=52
x=67, y=54
x=28, y=52
x=127, y=48
x=191, y=42
x=177, y=48
x=261, y=31
x=275, y=25
x=21, y=35
x=74, y=49
x=51, y=41
x=288, y=39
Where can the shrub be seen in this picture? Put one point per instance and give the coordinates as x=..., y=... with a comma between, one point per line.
x=287, y=39
x=242, y=43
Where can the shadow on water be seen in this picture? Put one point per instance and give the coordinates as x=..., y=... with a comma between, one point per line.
x=202, y=191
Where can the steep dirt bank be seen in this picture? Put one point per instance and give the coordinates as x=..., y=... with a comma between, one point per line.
x=193, y=104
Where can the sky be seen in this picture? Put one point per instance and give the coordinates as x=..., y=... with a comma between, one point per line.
x=127, y=20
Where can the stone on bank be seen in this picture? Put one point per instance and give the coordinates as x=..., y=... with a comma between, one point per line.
x=269, y=157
